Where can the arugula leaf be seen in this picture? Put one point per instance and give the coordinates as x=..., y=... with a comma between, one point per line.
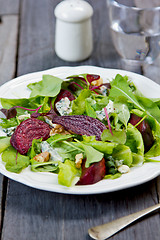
x=122, y=111
x=101, y=102
x=58, y=137
x=14, y=162
x=50, y=86
x=35, y=148
x=8, y=103
x=66, y=150
x=44, y=103
x=7, y=123
x=150, y=107
x=67, y=173
x=104, y=147
x=79, y=104
x=31, y=103
x=50, y=166
x=4, y=143
x=89, y=110
x=91, y=154
x=120, y=87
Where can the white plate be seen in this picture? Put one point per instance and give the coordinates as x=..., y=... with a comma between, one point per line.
x=16, y=88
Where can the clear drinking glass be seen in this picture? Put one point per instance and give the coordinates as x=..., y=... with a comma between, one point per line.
x=135, y=28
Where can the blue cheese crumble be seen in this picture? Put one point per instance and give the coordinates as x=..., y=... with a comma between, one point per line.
x=54, y=155
x=9, y=131
x=110, y=109
x=103, y=90
x=24, y=116
x=49, y=121
x=63, y=106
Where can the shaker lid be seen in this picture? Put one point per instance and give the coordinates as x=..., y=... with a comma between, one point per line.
x=73, y=10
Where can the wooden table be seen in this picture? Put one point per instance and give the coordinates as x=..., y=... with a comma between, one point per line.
x=27, y=45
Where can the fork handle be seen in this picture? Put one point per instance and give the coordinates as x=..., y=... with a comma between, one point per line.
x=106, y=230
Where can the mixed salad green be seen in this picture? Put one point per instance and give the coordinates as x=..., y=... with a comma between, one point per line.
x=131, y=137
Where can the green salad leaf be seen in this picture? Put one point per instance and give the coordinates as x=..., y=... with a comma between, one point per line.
x=154, y=150
x=50, y=166
x=113, y=176
x=66, y=150
x=15, y=162
x=35, y=148
x=120, y=87
x=59, y=137
x=100, y=102
x=89, y=110
x=67, y=173
x=8, y=103
x=123, y=153
x=7, y=123
x=104, y=147
x=135, y=142
x=118, y=136
x=50, y=86
x=79, y=104
x=4, y=143
x=122, y=111
x=91, y=154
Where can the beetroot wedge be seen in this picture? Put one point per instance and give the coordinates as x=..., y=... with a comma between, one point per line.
x=64, y=93
x=92, y=174
x=82, y=125
x=144, y=129
x=28, y=130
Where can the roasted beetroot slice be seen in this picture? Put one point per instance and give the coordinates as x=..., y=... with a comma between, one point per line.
x=92, y=77
x=28, y=130
x=82, y=125
x=107, y=85
x=92, y=174
x=64, y=93
x=145, y=130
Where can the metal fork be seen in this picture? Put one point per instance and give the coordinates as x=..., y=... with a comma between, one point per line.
x=106, y=230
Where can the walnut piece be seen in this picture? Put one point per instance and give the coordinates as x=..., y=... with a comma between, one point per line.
x=97, y=82
x=42, y=157
x=78, y=160
x=58, y=129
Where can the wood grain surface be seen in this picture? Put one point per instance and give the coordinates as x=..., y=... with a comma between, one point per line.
x=29, y=213
x=9, y=7
x=8, y=47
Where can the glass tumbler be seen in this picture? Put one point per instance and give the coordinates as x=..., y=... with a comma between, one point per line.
x=135, y=29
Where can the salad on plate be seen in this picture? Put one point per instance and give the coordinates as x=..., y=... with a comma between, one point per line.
x=80, y=128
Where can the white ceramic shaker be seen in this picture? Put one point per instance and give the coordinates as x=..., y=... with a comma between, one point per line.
x=73, y=34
